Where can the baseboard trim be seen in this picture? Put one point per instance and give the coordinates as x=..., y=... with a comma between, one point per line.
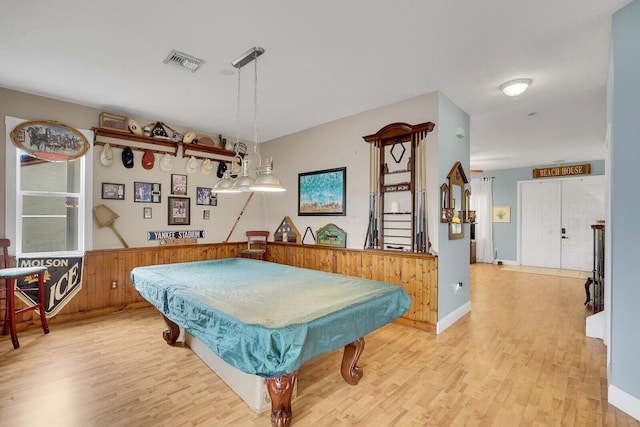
x=453, y=317
x=624, y=401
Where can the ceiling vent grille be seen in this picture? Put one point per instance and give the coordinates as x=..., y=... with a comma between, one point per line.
x=184, y=61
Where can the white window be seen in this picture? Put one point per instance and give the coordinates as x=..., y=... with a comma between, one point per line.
x=46, y=209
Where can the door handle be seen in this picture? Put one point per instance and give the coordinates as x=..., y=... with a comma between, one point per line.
x=564, y=237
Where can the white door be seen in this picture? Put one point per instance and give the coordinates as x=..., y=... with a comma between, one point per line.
x=540, y=223
x=555, y=221
x=582, y=206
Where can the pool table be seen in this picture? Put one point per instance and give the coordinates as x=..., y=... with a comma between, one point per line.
x=268, y=319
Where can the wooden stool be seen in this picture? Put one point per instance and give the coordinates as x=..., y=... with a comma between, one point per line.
x=256, y=245
x=9, y=275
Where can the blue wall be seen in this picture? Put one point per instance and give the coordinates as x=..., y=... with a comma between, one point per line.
x=453, y=255
x=625, y=201
x=505, y=193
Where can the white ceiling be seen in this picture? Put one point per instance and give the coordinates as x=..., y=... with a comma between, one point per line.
x=326, y=60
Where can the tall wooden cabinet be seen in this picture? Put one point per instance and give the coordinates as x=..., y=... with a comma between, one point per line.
x=397, y=204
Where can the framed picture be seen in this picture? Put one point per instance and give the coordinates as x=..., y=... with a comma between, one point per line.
x=112, y=191
x=146, y=213
x=179, y=184
x=114, y=122
x=204, y=196
x=323, y=192
x=206, y=214
x=502, y=214
x=179, y=211
x=49, y=140
x=146, y=192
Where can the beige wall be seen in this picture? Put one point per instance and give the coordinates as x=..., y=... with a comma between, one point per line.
x=330, y=145
x=336, y=144
x=131, y=223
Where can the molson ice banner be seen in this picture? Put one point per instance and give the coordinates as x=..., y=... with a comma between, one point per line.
x=62, y=280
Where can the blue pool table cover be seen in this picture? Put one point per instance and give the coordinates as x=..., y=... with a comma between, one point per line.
x=264, y=318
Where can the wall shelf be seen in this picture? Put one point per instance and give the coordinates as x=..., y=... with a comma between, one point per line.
x=122, y=140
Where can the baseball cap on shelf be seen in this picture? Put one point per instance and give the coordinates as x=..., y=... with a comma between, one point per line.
x=192, y=165
x=166, y=163
x=207, y=167
x=189, y=137
x=106, y=155
x=148, y=159
x=127, y=158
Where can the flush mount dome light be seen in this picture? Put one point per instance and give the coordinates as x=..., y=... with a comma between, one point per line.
x=515, y=87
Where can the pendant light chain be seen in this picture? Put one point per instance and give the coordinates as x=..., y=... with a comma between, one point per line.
x=255, y=103
x=238, y=109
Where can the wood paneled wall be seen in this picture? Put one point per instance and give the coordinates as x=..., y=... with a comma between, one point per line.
x=417, y=274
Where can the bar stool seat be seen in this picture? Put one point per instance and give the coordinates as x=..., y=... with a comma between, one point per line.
x=10, y=276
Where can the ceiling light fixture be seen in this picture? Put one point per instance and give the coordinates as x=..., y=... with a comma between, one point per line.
x=515, y=87
x=264, y=180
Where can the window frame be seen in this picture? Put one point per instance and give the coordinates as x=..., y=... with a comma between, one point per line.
x=13, y=197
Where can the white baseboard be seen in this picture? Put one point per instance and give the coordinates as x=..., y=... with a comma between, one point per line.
x=624, y=401
x=453, y=317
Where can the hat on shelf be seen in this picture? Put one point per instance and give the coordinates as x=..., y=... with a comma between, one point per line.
x=106, y=155
x=166, y=163
x=189, y=137
x=207, y=167
x=127, y=158
x=148, y=159
x=192, y=165
x=222, y=168
x=134, y=127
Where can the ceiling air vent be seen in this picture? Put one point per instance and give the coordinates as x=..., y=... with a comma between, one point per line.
x=184, y=61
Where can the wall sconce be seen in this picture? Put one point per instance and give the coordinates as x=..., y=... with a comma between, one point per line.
x=446, y=212
x=472, y=217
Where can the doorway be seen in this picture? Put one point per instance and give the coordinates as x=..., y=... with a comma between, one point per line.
x=555, y=218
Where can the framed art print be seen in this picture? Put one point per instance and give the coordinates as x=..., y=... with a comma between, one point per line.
x=323, y=192
x=146, y=192
x=179, y=211
x=179, y=184
x=112, y=191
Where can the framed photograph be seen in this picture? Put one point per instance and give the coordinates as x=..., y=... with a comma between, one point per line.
x=112, y=191
x=113, y=122
x=203, y=196
x=323, y=192
x=146, y=192
x=206, y=214
x=179, y=184
x=146, y=213
x=179, y=211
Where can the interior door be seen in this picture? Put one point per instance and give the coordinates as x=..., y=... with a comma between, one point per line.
x=582, y=205
x=540, y=226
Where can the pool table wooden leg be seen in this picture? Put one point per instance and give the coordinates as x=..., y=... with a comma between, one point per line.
x=281, y=391
x=350, y=372
x=170, y=335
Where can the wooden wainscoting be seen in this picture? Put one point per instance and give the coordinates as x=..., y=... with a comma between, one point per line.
x=417, y=274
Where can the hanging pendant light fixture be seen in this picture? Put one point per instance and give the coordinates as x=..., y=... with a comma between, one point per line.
x=265, y=180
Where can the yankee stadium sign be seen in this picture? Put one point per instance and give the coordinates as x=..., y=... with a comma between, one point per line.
x=62, y=280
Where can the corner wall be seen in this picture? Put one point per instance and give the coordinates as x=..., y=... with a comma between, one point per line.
x=624, y=378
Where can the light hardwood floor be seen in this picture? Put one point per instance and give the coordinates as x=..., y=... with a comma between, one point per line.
x=519, y=358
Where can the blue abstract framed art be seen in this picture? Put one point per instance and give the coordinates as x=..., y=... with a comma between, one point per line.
x=323, y=192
